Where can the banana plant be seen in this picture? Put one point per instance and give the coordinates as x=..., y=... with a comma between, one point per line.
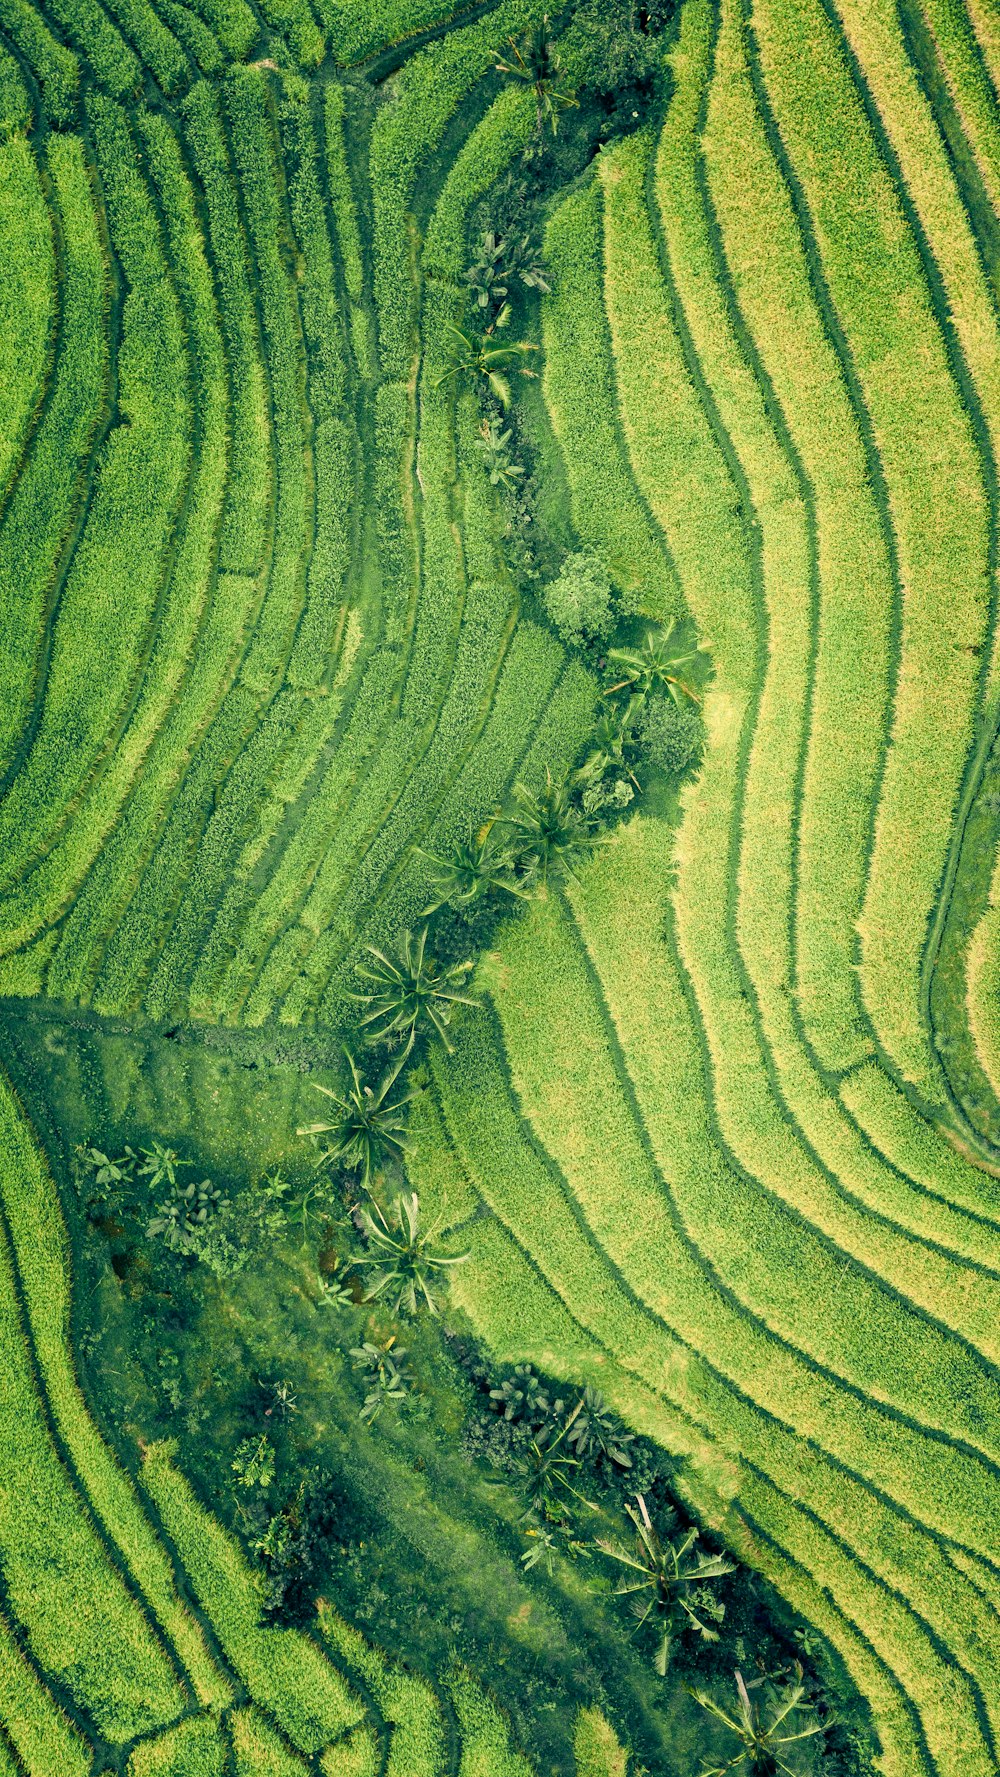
x=486, y=363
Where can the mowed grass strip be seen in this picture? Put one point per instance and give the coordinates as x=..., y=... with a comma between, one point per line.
x=936, y=498
x=40, y=1731
x=45, y=500
x=40, y=1250
x=115, y=581
x=27, y=301
x=282, y=1669
x=759, y=236
x=579, y=387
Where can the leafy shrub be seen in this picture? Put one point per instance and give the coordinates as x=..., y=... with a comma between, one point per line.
x=578, y=602
x=670, y=735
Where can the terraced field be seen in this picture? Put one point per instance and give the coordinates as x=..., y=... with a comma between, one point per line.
x=723, y=1137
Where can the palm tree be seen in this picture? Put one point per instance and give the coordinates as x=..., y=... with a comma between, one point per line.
x=655, y=666
x=471, y=870
x=759, y=1752
x=486, y=362
x=405, y=1257
x=548, y=832
x=537, y=64
x=411, y=990
x=660, y=1576
x=370, y=1125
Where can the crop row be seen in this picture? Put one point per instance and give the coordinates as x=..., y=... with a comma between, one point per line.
x=428, y=90
x=596, y=1746
x=258, y=1751
x=514, y=1299
x=890, y=1546
x=765, y=877
x=39, y=1246
x=181, y=619
x=935, y=491
x=16, y=111
x=233, y=22
x=582, y=405
x=266, y=658
x=45, y=499
x=114, y=585
x=750, y=1116
x=99, y=43
x=344, y=208
x=282, y=1669
x=27, y=301
x=192, y=1749
x=169, y=709
x=54, y=66
x=486, y=1748
x=407, y=1705
x=486, y=151
x=40, y=1731
x=854, y=584
x=82, y=1624
x=155, y=42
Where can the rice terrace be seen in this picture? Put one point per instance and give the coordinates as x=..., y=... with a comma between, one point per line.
x=500, y=888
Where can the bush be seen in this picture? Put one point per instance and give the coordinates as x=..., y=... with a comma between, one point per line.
x=579, y=601
x=670, y=735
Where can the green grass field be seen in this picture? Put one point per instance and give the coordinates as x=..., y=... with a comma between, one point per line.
x=333, y=333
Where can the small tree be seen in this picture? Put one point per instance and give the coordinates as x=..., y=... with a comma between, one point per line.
x=411, y=990
x=670, y=734
x=578, y=601
x=763, y=1741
